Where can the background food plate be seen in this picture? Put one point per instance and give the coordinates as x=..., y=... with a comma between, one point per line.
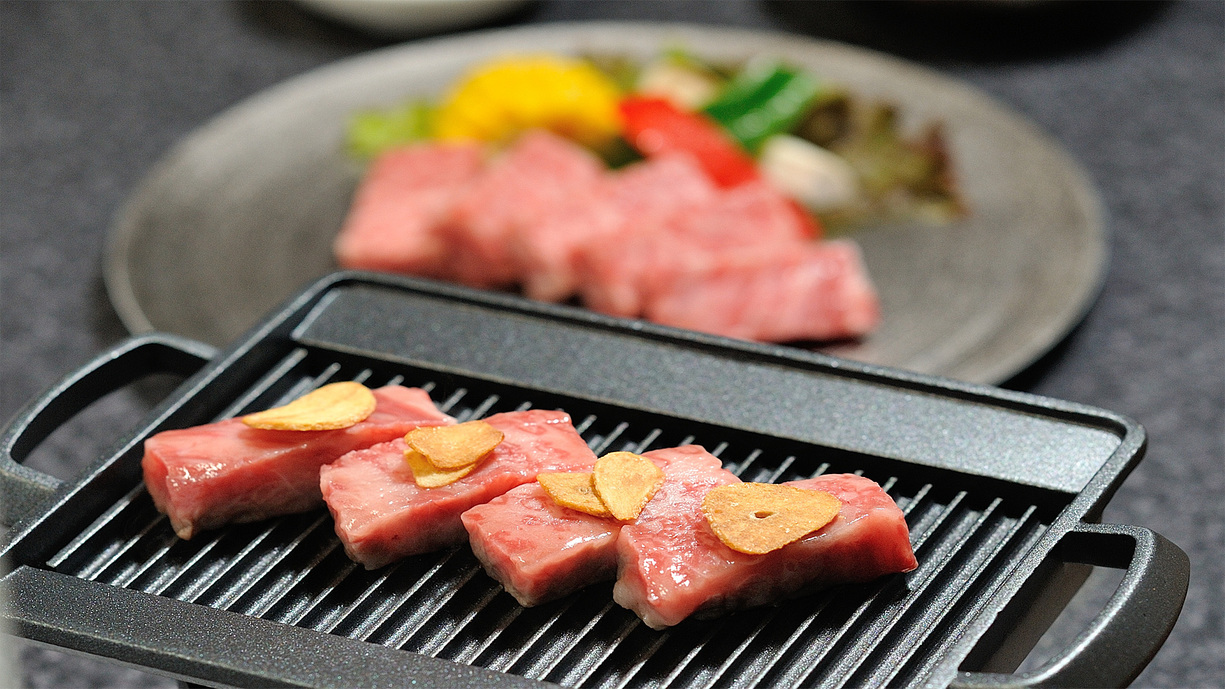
x=243, y=212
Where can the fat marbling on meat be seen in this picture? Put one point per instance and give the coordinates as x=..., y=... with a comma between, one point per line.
x=540, y=551
x=394, y=223
x=672, y=565
x=223, y=472
x=381, y=514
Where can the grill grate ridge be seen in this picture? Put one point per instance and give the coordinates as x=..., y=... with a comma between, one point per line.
x=489, y=620
x=584, y=666
x=361, y=622
x=293, y=608
x=545, y=657
x=1021, y=538
x=833, y=617
x=340, y=603
x=930, y=591
x=513, y=654
x=69, y=557
x=260, y=581
x=259, y=602
x=118, y=561
x=427, y=633
x=215, y=572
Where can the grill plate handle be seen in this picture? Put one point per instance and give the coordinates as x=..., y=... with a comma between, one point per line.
x=1129, y=630
x=23, y=488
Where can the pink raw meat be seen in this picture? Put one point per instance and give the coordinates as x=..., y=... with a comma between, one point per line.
x=673, y=566
x=538, y=172
x=206, y=476
x=815, y=291
x=382, y=515
x=540, y=551
x=393, y=222
x=634, y=200
x=620, y=277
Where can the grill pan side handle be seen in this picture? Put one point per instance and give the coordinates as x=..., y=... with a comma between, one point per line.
x=1129, y=630
x=23, y=488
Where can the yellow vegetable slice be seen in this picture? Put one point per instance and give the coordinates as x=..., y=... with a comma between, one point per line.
x=626, y=482
x=757, y=518
x=452, y=447
x=427, y=475
x=575, y=490
x=500, y=99
x=333, y=406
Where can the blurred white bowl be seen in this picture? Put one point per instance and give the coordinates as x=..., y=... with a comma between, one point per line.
x=411, y=16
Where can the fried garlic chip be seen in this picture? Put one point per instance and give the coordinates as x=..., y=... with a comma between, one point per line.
x=757, y=518
x=333, y=406
x=626, y=482
x=452, y=447
x=575, y=490
x=427, y=475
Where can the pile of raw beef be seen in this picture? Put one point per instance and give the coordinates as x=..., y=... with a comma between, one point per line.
x=667, y=563
x=656, y=239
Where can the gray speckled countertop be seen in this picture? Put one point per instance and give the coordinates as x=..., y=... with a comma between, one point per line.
x=92, y=94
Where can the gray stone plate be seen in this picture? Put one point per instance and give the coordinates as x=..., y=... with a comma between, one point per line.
x=242, y=213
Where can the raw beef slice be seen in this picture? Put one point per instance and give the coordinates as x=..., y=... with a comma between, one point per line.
x=540, y=551
x=634, y=200
x=673, y=566
x=620, y=277
x=382, y=515
x=814, y=291
x=393, y=224
x=206, y=476
x=538, y=172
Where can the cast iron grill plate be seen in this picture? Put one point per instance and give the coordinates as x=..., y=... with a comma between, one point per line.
x=292, y=570
x=978, y=534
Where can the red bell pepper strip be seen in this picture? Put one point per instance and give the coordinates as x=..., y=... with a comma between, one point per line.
x=654, y=126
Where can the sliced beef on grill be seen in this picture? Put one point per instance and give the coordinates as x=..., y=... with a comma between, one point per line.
x=537, y=173
x=815, y=291
x=633, y=200
x=382, y=515
x=540, y=551
x=619, y=278
x=393, y=223
x=656, y=553
x=206, y=476
x=673, y=566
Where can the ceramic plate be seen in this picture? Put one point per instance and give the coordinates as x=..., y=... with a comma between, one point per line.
x=242, y=213
x=411, y=17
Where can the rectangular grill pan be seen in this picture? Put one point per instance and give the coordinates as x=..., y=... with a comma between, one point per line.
x=1002, y=492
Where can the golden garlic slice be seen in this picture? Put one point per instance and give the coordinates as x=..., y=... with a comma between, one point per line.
x=333, y=406
x=757, y=518
x=452, y=447
x=575, y=490
x=626, y=482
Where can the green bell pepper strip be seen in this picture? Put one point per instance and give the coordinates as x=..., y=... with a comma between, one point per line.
x=759, y=103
